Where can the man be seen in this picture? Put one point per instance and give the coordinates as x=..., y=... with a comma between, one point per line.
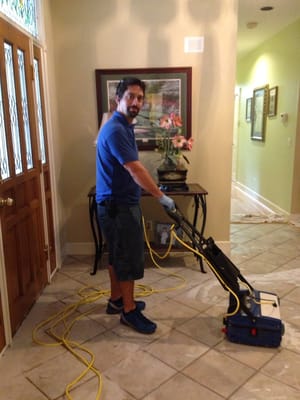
x=119, y=179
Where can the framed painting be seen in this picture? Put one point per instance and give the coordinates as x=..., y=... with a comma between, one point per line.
x=259, y=112
x=248, y=109
x=168, y=90
x=273, y=94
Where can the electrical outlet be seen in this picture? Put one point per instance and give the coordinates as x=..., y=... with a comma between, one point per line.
x=149, y=226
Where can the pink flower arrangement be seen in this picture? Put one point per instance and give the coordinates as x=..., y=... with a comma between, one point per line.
x=171, y=147
x=181, y=143
x=170, y=121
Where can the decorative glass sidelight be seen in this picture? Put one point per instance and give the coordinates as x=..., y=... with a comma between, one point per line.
x=23, y=12
x=11, y=91
x=25, y=111
x=4, y=166
x=39, y=110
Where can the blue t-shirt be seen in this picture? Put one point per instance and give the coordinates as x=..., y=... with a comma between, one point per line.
x=116, y=146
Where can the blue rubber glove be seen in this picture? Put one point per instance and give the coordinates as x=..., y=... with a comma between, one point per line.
x=167, y=202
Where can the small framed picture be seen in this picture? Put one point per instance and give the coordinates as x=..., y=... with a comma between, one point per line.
x=273, y=94
x=249, y=109
x=164, y=235
x=259, y=113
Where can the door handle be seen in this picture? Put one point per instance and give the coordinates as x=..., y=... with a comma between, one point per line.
x=6, y=202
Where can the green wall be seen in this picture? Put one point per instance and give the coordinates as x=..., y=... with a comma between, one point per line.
x=267, y=167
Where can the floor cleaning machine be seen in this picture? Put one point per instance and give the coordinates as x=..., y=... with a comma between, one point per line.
x=253, y=316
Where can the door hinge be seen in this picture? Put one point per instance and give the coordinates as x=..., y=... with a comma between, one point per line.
x=46, y=251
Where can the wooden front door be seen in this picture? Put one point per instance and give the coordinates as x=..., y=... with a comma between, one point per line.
x=21, y=207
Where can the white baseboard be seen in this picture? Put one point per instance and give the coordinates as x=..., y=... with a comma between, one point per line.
x=260, y=200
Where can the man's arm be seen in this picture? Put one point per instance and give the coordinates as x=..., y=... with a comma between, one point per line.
x=142, y=177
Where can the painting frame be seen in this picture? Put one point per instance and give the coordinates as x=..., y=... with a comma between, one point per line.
x=167, y=90
x=272, y=105
x=259, y=112
x=248, y=114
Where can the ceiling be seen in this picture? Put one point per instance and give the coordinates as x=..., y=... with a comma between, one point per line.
x=269, y=23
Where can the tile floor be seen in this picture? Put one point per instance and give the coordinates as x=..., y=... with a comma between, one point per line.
x=188, y=357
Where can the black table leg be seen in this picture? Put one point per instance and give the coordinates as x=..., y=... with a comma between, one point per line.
x=197, y=199
x=204, y=210
x=96, y=231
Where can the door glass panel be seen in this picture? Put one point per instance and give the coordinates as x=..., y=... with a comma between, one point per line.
x=25, y=109
x=39, y=110
x=11, y=91
x=23, y=12
x=4, y=167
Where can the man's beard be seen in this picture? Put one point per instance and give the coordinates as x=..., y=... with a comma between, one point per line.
x=132, y=112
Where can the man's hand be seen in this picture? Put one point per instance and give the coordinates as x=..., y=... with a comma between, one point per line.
x=167, y=202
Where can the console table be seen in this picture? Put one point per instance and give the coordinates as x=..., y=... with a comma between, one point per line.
x=197, y=192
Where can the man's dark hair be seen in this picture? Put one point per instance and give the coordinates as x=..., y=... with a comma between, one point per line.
x=129, y=81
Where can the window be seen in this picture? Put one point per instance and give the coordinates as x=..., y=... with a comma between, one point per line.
x=39, y=110
x=4, y=167
x=23, y=12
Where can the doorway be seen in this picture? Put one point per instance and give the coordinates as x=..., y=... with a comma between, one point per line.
x=26, y=215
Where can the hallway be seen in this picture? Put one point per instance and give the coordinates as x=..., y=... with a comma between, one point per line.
x=245, y=209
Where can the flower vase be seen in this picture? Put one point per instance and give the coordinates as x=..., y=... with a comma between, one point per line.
x=172, y=176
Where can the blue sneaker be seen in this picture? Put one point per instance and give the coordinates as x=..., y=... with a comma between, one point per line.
x=116, y=306
x=137, y=321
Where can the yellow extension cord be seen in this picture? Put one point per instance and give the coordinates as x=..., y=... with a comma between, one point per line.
x=90, y=294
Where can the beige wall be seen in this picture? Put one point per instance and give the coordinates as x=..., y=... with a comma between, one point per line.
x=86, y=35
